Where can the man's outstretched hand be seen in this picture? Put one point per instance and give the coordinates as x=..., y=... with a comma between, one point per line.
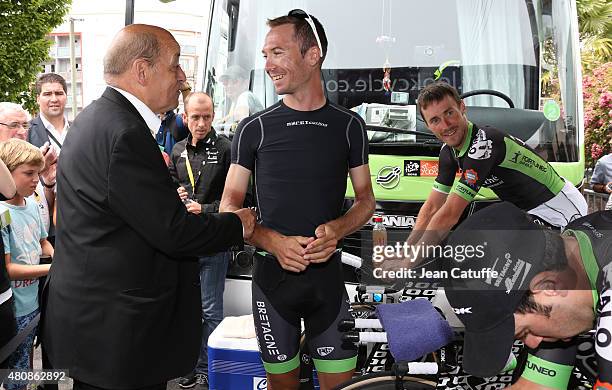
x=248, y=219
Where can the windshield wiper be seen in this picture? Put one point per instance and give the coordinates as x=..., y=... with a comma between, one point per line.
x=399, y=131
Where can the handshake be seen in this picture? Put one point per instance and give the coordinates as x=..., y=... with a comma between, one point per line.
x=247, y=216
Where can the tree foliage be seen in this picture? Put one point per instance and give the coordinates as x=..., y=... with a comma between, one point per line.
x=24, y=25
x=595, y=24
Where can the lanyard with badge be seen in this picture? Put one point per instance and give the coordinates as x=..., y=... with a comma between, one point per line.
x=190, y=171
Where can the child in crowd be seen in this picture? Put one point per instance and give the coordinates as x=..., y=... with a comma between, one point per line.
x=25, y=241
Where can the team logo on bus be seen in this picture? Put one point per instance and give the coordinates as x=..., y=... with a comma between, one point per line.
x=412, y=168
x=388, y=177
x=429, y=168
x=396, y=221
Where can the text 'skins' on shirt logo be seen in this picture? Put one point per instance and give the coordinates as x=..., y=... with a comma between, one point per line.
x=306, y=123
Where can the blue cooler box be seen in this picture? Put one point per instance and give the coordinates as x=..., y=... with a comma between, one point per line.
x=235, y=364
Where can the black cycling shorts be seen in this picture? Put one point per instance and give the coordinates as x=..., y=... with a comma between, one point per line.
x=281, y=299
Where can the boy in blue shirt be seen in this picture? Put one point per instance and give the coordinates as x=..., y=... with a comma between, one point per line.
x=25, y=240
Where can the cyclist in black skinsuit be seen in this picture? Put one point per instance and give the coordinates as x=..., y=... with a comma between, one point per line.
x=300, y=151
x=551, y=287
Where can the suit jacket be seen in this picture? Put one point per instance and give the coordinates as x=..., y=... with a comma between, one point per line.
x=123, y=307
x=37, y=135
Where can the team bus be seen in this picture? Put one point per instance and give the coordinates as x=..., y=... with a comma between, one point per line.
x=516, y=63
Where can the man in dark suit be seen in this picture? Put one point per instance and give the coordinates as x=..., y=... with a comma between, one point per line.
x=51, y=124
x=123, y=308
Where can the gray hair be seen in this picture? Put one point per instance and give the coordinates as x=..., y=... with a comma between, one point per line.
x=138, y=43
x=10, y=106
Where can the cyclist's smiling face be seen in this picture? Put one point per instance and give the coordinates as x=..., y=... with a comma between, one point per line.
x=571, y=315
x=285, y=64
x=446, y=119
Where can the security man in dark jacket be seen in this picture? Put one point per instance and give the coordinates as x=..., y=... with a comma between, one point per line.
x=199, y=165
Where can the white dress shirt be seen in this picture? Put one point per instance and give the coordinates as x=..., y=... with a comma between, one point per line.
x=59, y=136
x=152, y=120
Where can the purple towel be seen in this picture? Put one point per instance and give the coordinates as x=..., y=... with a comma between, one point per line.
x=414, y=328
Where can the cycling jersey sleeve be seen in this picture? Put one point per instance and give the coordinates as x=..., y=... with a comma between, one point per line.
x=358, y=142
x=551, y=364
x=483, y=155
x=447, y=167
x=246, y=142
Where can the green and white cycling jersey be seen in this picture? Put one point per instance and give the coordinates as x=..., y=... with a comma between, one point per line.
x=594, y=235
x=493, y=159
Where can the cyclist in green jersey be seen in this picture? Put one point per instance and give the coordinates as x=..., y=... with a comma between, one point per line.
x=486, y=157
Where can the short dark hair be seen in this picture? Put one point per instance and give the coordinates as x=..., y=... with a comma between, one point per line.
x=303, y=32
x=435, y=92
x=555, y=259
x=528, y=305
x=47, y=78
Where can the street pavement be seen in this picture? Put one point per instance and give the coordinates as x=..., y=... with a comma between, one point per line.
x=172, y=385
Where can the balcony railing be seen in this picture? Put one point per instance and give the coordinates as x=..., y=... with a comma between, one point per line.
x=66, y=75
x=64, y=52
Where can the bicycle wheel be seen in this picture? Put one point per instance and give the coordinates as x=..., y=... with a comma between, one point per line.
x=386, y=381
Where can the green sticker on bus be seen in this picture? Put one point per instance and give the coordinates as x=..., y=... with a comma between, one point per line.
x=551, y=109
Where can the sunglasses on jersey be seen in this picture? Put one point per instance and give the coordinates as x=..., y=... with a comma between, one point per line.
x=298, y=13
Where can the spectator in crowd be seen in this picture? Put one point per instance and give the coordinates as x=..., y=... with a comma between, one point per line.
x=123, y=303
x=49, y=128
x=199, y=165
x=13, y=121
x=242, y=101
x=14, y=124
x=8, y=327
x=24, y=242
x=51, y=124
x=601, y=181
x=172, y=129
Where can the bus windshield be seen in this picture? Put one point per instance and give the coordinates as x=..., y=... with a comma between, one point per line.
x=510, y=47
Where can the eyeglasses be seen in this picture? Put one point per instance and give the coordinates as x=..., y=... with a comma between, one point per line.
x=298, y=13
x=15, y=125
